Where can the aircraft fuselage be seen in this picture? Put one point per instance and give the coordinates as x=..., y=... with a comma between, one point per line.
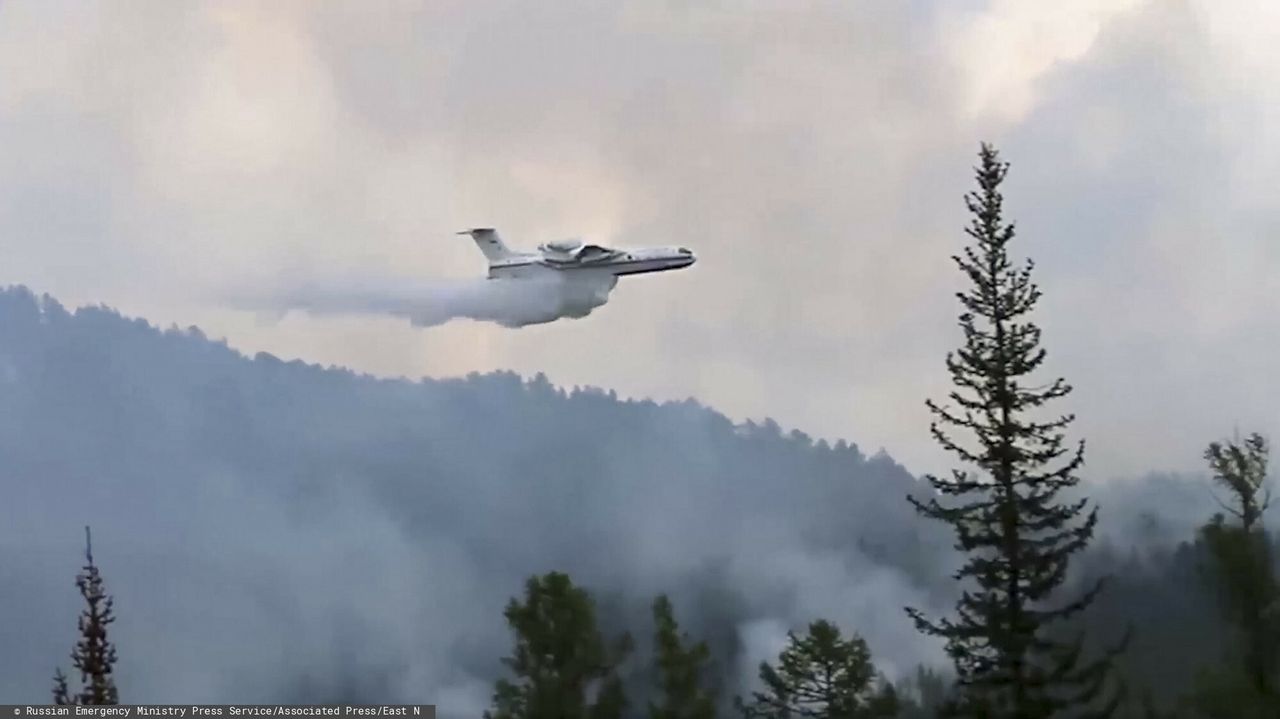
x=618, y=263
x=572, y=256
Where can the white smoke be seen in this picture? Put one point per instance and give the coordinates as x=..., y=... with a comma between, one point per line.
x=431, y=302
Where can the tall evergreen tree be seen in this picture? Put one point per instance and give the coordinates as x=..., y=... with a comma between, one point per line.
x=1018, y=535
x=93, y=655
x=681, y=669
x=1242, y=569
x=1241, y=469
x=564, y=669
x=823, y=676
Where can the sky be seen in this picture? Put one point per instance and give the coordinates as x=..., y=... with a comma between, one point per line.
x=161, y=157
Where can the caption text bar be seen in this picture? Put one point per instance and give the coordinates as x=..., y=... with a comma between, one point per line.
x=222, y=711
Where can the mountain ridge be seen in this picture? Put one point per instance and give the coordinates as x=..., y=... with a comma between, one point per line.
x=277, y=530
x=185, y=453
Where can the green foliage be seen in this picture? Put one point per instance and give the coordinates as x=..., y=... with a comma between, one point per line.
x=1242, y=571
x=93, y=655
x=61, y=693
x=822, y=675
x=1242, y=470
x=1017, y=534
x=1228, y=694
x=923, y=695
x=681, y=669
x=1146, y=708
x=1241, y=568
x=563, y=667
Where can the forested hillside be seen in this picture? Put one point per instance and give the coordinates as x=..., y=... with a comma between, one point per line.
x=275, y=530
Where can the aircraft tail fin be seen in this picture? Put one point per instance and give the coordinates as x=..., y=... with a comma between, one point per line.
x=487, y=239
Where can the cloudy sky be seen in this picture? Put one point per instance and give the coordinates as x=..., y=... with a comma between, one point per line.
x=160, y=157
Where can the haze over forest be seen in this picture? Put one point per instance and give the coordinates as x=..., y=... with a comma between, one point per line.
x=279, y=531
x=334, y=527
x=169, y=156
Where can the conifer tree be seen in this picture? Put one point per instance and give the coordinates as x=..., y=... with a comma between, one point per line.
x=823, y=676
x=1243, y=571
x=681, y=670
x=61, y=693
x=93, y=655
x=564, y=669
x=923, y=695
x=1015, y=530
x=1242, y=470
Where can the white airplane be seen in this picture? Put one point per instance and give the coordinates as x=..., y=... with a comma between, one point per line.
x=572, y=256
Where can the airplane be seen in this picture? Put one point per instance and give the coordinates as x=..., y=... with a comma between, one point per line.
x=573, y=256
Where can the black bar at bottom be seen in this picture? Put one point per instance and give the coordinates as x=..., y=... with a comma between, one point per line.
x=221, y=711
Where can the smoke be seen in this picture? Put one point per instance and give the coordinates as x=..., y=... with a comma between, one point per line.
x=308, y=533
x=428, y=303
x=301, y=533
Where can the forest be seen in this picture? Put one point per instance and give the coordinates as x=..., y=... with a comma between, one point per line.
x=276, y=531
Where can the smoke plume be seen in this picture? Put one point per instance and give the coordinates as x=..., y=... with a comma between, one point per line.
x=302, y=533
x=296, y=533
x=431, y=302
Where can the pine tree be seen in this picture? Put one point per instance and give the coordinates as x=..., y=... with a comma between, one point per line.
x=94, y=655
x=1017, y=534
x=823, y=676
x=1242, y=570
x=923, y=695
x=563, y=667
x=61, y=693
x=681, y=668
x=1242, y=470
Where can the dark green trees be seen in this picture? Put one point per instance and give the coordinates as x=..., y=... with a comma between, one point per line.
x=822, y=675
x=1241, y=469
x=564, y=669
x=923, y=695
x=93, y=655
x=1242, y=571
x=1017, y=533
x=681, y=669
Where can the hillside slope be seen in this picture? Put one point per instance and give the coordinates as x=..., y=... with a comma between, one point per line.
x=272, y=528
x=278, y=531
